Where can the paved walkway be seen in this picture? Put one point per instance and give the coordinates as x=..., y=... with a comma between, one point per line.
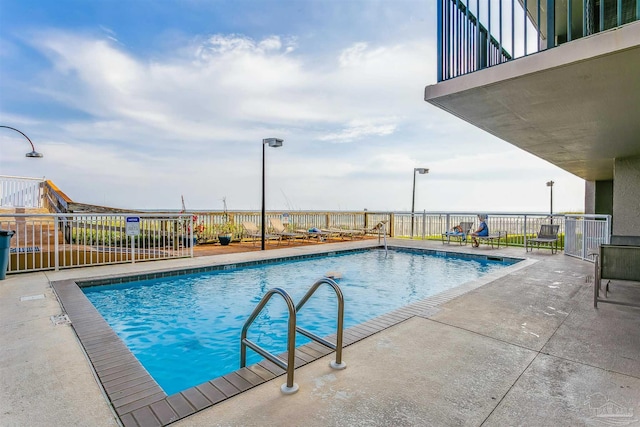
x=524, y=349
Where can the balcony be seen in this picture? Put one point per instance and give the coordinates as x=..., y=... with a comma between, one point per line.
x=572, y=101
x=474, y=35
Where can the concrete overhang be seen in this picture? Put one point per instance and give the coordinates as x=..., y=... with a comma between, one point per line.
x=576, y=105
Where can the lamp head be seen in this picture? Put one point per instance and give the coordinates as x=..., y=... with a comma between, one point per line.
x=34, y=154
x=421, y=171
x=273, y=142
x=550, y=183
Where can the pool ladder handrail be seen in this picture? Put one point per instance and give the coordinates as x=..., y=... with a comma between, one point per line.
x=383, y=228
x=338, y=363
x=290, y=386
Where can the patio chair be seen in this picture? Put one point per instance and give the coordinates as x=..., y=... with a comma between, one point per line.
x=280, y=230
x=460, y=234
x=617, y=261
x=548, y=235
x=492, y=238
x=251, y=230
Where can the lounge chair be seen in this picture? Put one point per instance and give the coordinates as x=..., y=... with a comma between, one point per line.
x=492, y=238
x=314, y=233
x=548, y=235
x=280, y=230
x=344, y=233
x=251, y=230
x=331, y=233
x=460, y=236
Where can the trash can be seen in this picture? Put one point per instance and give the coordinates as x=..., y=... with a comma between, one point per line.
x=5, y=238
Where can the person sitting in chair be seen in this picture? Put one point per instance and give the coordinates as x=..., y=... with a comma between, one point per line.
x=457, y=231
x=483, y=229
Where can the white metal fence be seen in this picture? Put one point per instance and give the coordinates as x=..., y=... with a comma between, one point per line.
x=578, y=235
x=519, y=227
x=53, y=242
x=57, y=241
x=585, y=233
x=20, y=192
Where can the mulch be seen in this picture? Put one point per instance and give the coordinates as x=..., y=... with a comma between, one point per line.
x=207, y=249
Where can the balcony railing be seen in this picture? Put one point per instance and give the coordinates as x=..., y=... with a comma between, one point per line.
x=18, y=192
x=476, y=34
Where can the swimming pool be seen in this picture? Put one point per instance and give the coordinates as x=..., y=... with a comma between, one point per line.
x=185, y=330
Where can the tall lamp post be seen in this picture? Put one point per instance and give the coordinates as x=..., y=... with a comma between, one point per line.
x=421, y=171
x=550, y=185
x=33, y=152
x=272, y=142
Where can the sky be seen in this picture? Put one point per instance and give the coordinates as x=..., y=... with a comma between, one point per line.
x=137, y=103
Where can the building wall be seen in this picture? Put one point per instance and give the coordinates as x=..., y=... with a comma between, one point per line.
x=598, y=197
x=604, y=198
x=626, y=196
x=589, y=197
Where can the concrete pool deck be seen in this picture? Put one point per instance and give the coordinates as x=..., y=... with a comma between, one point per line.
x=527, y=348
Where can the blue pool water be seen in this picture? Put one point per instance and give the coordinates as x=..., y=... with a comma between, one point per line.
x=185, y=330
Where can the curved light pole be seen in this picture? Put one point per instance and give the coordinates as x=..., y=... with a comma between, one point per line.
x=272, y=142
x=33, y=152
x=550, y=185
x=421, y=171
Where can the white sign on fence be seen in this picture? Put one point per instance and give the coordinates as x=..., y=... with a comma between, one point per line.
x=133, y=225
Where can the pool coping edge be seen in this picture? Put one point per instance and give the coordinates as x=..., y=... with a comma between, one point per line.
x=140, y=401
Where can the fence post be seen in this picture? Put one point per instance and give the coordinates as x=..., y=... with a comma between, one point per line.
x=40, y=194
x=392, y=225
x=56, y=244
x=424, y=223
x=191, y=230
x=232, y=219
x=525, y=232
x=174, y=234
x=133, y=250
x=583, y=251
x=551, y=24
x=440, y=53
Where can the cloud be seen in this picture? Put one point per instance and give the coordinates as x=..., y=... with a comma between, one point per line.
x=110, y=34
x=233, y=83
x=361, y=128
x=221, y=44
x=190, y=121
x=352, y=55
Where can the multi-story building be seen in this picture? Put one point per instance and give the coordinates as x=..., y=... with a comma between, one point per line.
x=557, y=78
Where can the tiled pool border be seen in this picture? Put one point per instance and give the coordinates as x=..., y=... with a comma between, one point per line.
x=138, y=400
